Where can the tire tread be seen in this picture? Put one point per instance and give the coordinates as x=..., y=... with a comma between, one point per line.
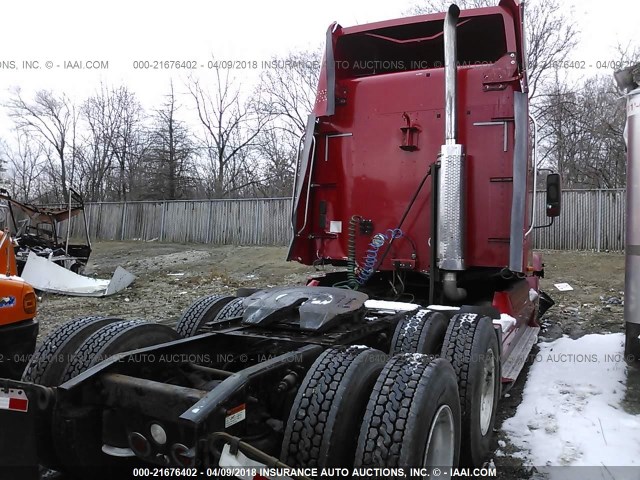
x=193, y=318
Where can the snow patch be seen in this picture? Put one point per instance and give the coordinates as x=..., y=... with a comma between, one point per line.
x=571, y=411
x=443, y=308
x=391, y=306
x=467, y=317
x=415, y=360
x=506, y=322
x=420, y=313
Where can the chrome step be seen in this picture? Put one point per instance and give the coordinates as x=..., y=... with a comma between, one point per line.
x=513, y=363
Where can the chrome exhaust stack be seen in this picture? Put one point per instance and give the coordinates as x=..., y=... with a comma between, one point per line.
x=451, y=192
x=629, y=81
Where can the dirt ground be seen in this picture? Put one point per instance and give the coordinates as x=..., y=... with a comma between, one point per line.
x=171, y=276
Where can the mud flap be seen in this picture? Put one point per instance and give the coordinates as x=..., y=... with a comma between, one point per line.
x=22, y=407
x=17, y=344
x=546, y=302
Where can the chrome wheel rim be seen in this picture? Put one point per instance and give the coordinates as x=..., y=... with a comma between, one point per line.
x=487, y=393
x=440, y=443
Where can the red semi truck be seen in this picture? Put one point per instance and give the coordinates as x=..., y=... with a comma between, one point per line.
x=416, y=174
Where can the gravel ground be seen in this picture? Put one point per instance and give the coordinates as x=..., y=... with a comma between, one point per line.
x=169, y=278
x=595, y=305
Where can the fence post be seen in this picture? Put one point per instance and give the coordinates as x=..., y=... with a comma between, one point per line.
x=257, y=232
x=124, y=219
x=164, y=209
x=599, y=221
x=210, y=212
x=90, y=211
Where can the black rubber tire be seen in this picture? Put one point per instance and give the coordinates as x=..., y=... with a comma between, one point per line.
x=246, y=291
x=468, y=339
x=327, y=411
x=200, y=312
x=117, y=338
x=47, y=366
x=423, y=332
x=52, y=356
x=235, y=308
x=406, y=397
x=76, y=437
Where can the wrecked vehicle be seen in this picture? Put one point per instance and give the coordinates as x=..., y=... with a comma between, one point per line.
x=36, y=228
x=420, y=132
x=45, y=256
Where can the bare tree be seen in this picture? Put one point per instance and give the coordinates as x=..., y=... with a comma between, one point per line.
x=230, y=129
x=3, y=171
x=50, y=119
x=289, y=88
x=102, y=113
x=277, y=151
x=113, y=118
x=288, y=91
x=170, y=153
x=582, y=136
x=25, y=159
x=131, y=143
x=434, y=6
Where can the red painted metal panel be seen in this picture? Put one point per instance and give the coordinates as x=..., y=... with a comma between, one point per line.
x=367, y=173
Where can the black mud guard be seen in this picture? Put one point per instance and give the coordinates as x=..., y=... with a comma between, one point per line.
x=318, y=308
x=546, y=302
x=24, y=410
x=17, y=344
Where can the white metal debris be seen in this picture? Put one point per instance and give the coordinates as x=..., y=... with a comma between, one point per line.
x=563, y=287
x=50, y=277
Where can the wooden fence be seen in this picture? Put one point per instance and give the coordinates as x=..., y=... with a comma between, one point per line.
x=590, y=220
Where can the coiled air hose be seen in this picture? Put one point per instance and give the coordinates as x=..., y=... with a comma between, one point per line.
x=352, y=279
x=370, y=263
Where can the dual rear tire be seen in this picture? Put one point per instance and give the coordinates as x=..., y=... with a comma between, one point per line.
x=432, y=404
x=206, y=312
x=355, y=408
x=471, y=347
x=67, y=351
x=469, y=342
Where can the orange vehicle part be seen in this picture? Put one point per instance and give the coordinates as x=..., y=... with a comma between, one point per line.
x=18, y=327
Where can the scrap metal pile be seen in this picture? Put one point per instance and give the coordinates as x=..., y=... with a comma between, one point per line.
x=46, y=255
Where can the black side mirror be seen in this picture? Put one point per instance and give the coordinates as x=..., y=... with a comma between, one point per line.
x=554, y=194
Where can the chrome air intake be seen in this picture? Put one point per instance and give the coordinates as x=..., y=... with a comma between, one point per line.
x=451, y=191
x=451, y=199
x=629, y=80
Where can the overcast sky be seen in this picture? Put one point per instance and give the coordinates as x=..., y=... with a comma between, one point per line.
x=123, y=31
